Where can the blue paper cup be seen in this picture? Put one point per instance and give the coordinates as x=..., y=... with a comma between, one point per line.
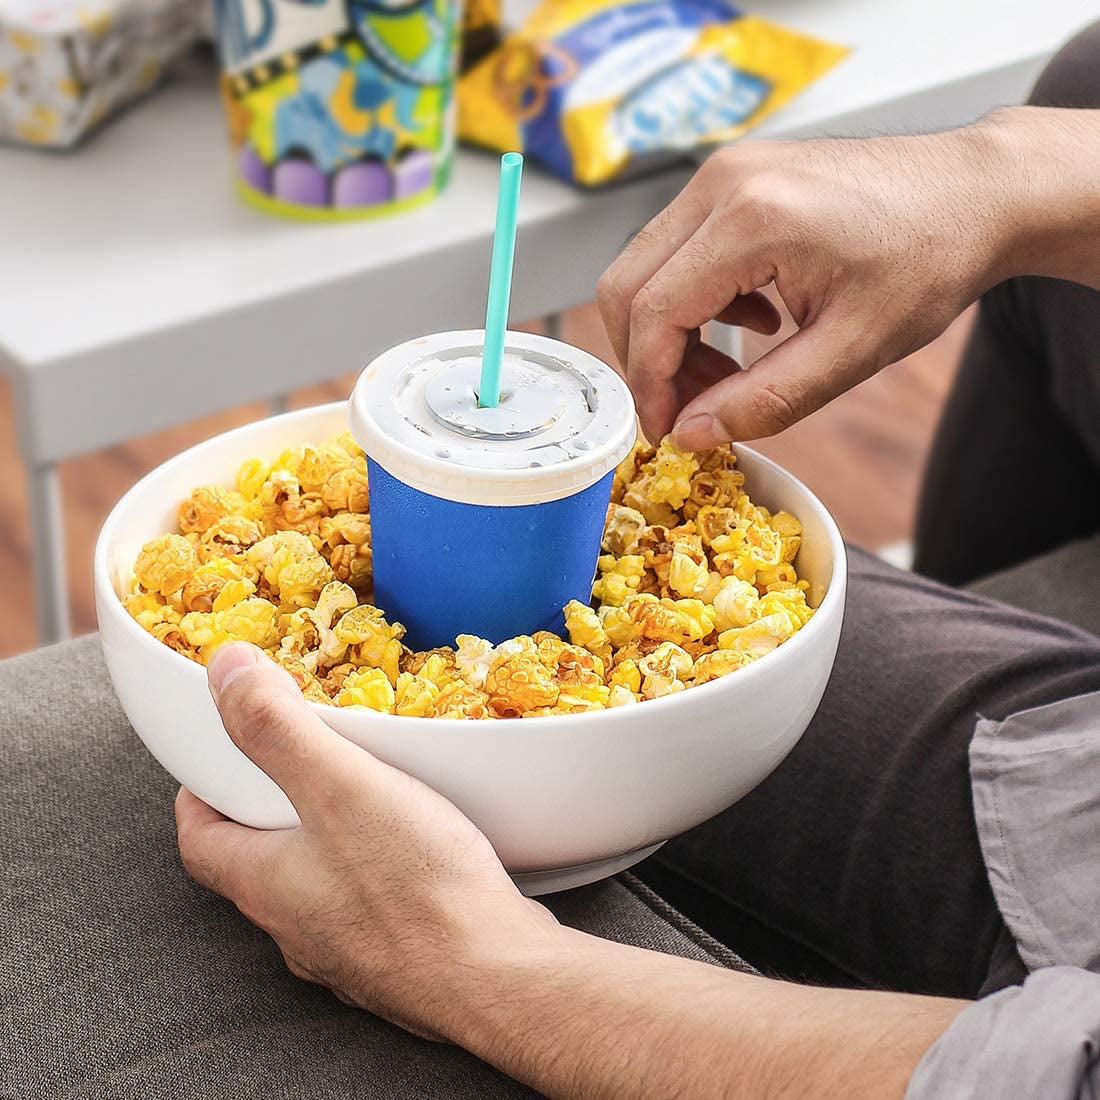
x=487, y=521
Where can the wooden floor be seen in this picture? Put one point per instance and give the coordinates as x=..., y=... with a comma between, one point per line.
x=863, y=456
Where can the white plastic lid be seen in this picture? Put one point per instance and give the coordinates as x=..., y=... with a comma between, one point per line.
x=564, y=419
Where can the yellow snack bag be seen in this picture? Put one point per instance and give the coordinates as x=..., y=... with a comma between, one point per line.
x=593, y=88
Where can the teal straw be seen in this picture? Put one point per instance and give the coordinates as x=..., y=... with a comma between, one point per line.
x=500, y=280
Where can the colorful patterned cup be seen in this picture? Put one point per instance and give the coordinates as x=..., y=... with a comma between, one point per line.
x=338, y=108
x=487, y=521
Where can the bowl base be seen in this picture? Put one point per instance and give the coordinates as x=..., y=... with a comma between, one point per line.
x=535, y=883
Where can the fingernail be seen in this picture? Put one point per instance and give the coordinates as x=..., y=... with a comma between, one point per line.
x=698, y=433
x=228, y=662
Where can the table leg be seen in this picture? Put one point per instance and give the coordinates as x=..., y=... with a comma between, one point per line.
x=553, y=326
x=51, y=590
x=278, y=405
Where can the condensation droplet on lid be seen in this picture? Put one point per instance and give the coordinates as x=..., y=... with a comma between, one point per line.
x=533, y=465
x=583, y=445
x=442, y=452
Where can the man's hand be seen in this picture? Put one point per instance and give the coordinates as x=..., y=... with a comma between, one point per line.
x=874, y=245
x=385, y=892
x=392, y=899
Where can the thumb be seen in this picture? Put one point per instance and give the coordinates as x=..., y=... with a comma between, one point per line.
x=271, y=723
x=798, y=377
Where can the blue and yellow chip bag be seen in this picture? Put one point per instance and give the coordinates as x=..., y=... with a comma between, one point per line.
x=593, y=88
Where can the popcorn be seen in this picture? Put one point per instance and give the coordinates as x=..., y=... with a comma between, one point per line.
x=585, y=629
x=369, y=688
x=459, y=700
x=166, y=564
x=206, y=506
x=619, y=578
x=473, y=659
x=735, y=604
x=621, y=529
x=415, y=695
x=695, y=582
x=519, y=682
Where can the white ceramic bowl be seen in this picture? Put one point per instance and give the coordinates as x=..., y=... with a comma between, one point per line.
x=564, y=800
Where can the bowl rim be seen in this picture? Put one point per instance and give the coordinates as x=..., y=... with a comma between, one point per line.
x=110, y=603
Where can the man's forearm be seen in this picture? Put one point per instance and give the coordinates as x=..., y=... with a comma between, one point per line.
x=1042, y=174
x=578, y=1016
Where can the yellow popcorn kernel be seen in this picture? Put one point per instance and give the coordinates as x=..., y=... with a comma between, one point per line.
x=736, y=604
x=717, y=459
x=335, y=599
x=348, y=443
x=621, y=529
x=473, y=658
x=523, y=644
x=789, y=547
x=785, y=525
x=229, y=538
x=353, y=564
x=763, y=544
x=585, y=629
x=370, y=688
x=640, y=496
x=783, y=575
x=169, y=633
x=438, y=665
x=252, y=620
x=618, y=624
x=317, y=465
x=671, y=620
x=333, y=679
x=620, y=696
x=619, y=578
x=459, y=700
x=519, y=682
x=373, y=641
x=715, y=489
x=787, y=601
x=206, y=506
x=577, y=698
x=251, y=477
x=146, y=606
x=668, y=659
x=717, y=663
x=759, y=637
x=300, y=638
x=627, y=470
x=549, y=648
x=672, y=477
x=291, y=566
x=572, y=665
x=314, y=692
x=286, y=508
x=166, y=564
x=626, y=674
x=232, y=593
x=714, y=522
x=712, y=588
x=655, y=547
x=346, y=489
x=688, y=575
x=415, y=695
x=308, y=684
x=346, y=527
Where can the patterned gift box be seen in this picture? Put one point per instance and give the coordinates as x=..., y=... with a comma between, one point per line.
x=65, y=65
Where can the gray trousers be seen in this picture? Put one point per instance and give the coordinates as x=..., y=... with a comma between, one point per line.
x=857, y=861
